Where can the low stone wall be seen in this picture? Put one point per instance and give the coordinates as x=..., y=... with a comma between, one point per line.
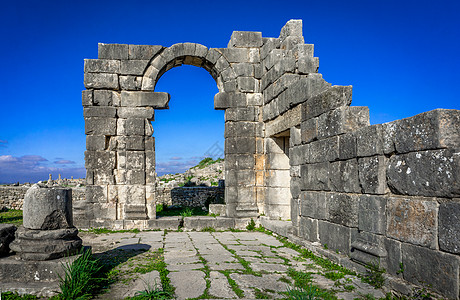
x=196, y=196
x=163, y=195
x=12, y=197
x=386, y=193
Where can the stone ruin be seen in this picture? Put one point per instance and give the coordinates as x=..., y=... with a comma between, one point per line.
x=42, y=245
x=47, y=231
x=294, y=150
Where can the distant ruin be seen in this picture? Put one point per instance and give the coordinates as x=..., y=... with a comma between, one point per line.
x=294, y=150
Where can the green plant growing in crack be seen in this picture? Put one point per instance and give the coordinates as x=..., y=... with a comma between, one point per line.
x=261, y=294
x=320, y=261
x=374, y=275
x=308, y=292
x=81, y=277
x=401, y=269
x=208, y=229
x=188, y=212
x=234, y=286
x=246, y=265
x=251, y=225
x=152, y=292
x=332, y=275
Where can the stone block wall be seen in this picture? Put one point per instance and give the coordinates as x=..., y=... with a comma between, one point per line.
x=386, y=193
x=197, y=196
x=12, y=197
x=294, y=149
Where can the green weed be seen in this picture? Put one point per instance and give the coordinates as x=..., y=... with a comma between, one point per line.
x=11, y=216
x=251, y=225
x=401, y=268
x=334, y=275
x=308, y=292
x=81, y=277
x=208, y=229
x=187, y=212
x=16, y=296
x=233, y=284
x=374, y=275
x=152, y=292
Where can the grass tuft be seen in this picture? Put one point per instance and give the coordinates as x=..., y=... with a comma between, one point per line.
x=81, y=277
x=11, y=216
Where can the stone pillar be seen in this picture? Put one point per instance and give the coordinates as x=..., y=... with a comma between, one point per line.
x=47, y=231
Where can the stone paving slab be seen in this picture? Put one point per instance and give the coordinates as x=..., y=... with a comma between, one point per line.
x=256, y=264
x=188, y=284
x=220, y=286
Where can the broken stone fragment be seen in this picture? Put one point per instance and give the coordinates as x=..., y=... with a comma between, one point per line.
x=6, y=237
x=47, y=208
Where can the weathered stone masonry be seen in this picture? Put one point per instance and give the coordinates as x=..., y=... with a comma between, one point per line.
x=294, y=149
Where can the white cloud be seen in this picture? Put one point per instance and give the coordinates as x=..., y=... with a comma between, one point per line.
x=33, y=168
x=64, y=162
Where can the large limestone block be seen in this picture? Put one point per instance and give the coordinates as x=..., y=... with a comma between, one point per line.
x=425, y=173
x=413, y=220
x=315, y=176
x=99, y=111
x=291, y=28
x=369, y=248
x=87, y=98
x=100, y=126
x=370, y=140
x=102, y=66
x=439, y=270
x=342, y=209
x=305, y=89
x=47, y=208
x=100, y=160
x=344, y=176
x=313, y=205
x=331, y=98
x=439, y=128
x=143, y=51
x=106, y=98
x=308, y=229
x=243, y=39
x=224, y=100
x=324, y=150
x=158, y=100
x=336, y=237
x=449, y=227
x=347, y=146
x=372, y=213
x=112, y=51
x=342, y=120
x=298, y=155
x=101, y=81
x=372, y=174
x=133, y=67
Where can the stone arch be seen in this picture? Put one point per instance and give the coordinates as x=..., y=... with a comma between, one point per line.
x=193, y=54
x=119, y=104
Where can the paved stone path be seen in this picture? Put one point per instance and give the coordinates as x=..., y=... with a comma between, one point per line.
x=225, y=265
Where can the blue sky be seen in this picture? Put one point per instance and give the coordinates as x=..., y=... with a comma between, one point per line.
x=400, y=56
